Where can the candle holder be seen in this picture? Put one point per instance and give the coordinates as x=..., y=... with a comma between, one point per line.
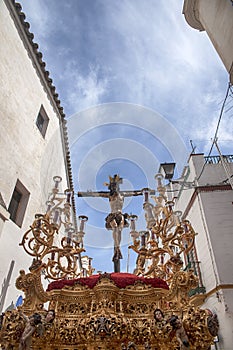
x=51, y=239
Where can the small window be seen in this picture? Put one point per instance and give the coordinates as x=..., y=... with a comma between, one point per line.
x=18, y=203
x=42, y=121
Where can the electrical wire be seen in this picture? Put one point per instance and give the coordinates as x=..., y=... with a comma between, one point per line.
x=216, y=131
x=194, y=187
x=226, y=180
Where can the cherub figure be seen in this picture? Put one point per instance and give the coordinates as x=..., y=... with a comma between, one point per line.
x=158, y=315
x=50, y=316
x=47, y=320
x=30, y=327
x=140, y=262
x=181, y=335
x=212, y=323
x=162, y=328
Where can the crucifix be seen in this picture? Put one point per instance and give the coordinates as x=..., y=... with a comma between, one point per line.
x=116, y=219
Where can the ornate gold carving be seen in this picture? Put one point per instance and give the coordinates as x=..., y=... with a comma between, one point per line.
x=138, y=316
x=55, y=254
x=108, y=316
x=31, y=285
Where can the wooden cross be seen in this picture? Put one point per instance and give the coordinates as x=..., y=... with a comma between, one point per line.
x=115, y=220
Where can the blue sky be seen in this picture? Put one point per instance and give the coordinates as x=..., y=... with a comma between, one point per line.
x=137, y=83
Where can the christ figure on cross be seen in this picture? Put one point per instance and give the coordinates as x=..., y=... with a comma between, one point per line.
x=115, y=220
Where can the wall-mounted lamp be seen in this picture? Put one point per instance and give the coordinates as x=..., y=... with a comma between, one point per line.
x=167, y=170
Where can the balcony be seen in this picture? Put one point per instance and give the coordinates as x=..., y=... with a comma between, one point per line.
x=217, y=159
x=200, y=289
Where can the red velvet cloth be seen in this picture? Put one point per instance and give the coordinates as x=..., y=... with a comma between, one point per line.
x=121, y=280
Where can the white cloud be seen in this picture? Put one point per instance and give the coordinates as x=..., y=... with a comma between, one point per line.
x=38, y=16
x=138, y=52
x=87, y=90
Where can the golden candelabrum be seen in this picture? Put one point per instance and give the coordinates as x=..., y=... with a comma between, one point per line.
x=162, y=247
x=150, y=309
x=55, y=252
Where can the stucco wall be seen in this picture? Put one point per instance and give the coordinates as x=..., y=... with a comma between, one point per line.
x=203, y=245
x=25, y=154
x=217, y=207
x=211, y=216
x=216, y=17
x=217, y=304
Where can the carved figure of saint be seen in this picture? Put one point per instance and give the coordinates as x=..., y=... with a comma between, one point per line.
x=158, y=315
x=50, y=316
x=30, y=327
x=181, y=335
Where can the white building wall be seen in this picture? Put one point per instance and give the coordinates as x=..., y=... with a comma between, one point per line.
x=204, y=251
x=25, y=154
x=209, y=209
x=216, y=18
x=225, y=335
x=217, y=208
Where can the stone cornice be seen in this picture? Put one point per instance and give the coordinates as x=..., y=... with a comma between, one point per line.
x=191, y=14
x=219, y=287
x=199, y=189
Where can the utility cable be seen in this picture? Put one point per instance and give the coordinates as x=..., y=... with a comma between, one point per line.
x=216, y=131
x=226, y=180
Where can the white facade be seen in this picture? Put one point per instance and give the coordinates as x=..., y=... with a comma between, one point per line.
x=210, y=209
x=26, y=156
x=208, y=205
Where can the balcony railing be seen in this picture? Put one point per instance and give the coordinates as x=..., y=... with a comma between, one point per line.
x=200, y=289
x=197, y=290
x=217, y=159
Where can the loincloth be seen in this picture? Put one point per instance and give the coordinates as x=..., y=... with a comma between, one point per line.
x=118, y=218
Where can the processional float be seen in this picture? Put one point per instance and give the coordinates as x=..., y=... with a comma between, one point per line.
x=149, y=309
